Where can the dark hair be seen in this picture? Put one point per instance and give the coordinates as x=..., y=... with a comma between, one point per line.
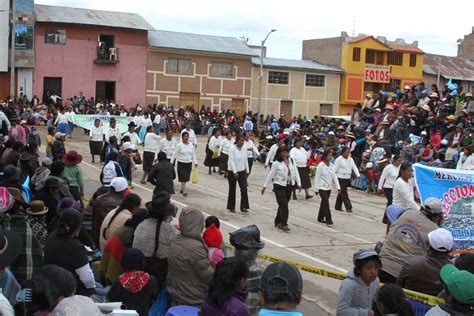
x=48, y=284
x=344, y=149
x=16, y=145
x=395, y=157
x=113, y=155
x=298, y=140
x=149, y=129
x=326, y=153
x=212, y=220
x=404, y=167
x=184, y=134
x=137, y=218
x=392, y=297
x=162, y=156
x=229, y=132
x=215, y=130
x=96, y=120
x=57, y=168
x=129, y=202
x=226, y=278
x=113, y=139
x=465, y=261
x=69, y=221
x=279, y=151
x=125, y=139
x=359, y=264
x=51, y=130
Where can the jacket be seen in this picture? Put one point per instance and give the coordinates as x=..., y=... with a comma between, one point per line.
x=421, y=273
x=28, y=164
x=189, y=270
x=161, y=176
x=102, y=206
x=234, y=306
x=108, y=228
x=355, y=297
x=447, y=310
x=279, y=174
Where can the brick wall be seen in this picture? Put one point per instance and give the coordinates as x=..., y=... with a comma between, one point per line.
x=466, y=48
x=324, y=50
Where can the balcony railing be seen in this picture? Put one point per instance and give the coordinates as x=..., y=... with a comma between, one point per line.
x=107, y=55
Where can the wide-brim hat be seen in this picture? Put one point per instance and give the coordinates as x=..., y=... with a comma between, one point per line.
x=37, y=208
x=132, y=124
x=72, y=158
x=160, y=204
x=11, y=173
x=350, y=135
x=51, y=182
x=11, y=245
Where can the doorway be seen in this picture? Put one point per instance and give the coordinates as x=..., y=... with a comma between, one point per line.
x=105, y=90
x=238, y=106
x=189, y=99
x=286, y=109
x=53, y=84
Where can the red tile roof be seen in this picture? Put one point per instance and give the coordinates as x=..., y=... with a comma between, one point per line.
x=406, y=48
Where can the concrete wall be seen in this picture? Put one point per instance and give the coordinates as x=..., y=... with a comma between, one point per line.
x=74, y=62
x=324, y=50
x=25, y=82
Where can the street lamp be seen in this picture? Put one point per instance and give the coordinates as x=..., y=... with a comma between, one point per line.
x=261, y=73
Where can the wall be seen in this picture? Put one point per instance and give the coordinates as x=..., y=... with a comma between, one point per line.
x=324, y=50
x=25, y=82
x=74, y=62
x=4, y=32
x=429, y=79
x=466, y=47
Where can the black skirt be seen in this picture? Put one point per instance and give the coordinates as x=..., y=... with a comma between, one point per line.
x=184, y=171
x=95, y=147
x=223, y=159
x=148, y=158
x=304, y=176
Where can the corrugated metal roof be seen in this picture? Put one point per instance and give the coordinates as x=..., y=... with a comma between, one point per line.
x=295, y=64
x=46, y=13
x=200, y=43
x=450, y=67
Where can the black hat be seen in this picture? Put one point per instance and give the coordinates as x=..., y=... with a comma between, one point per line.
x=132, y=124
x=10, y=247
x=11, y=173
x=246, y=238
x=281, y=278
x=160, y=204
x=51, y=182
x=133, y=259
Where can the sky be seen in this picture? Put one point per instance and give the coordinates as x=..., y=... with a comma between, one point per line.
x=296, y=20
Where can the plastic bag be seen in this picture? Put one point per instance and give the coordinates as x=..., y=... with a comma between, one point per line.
x=215, y=153
x=195, y=179
x=161, y=304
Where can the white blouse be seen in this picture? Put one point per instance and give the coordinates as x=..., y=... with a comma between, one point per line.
x=185, y=153
x=214, y=142
x=96, y=134
x=300, y=156
x=388, y=177
x=325, y=177
x=152, y=142
x=344, y=167
x=145, y=123
x=279, y=174
x=403, y=195
x=168, y=147
x=251, y=148
x=62, y=118
x=114, y=132
x=225, y=146
x=134, y=139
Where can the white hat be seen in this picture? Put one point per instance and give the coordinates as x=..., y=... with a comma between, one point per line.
x=424, y=133
x=128, y=145
x=434, y=95
x=119, y=184
x=441, y=239
x=331, y=133
x=469, y=94
x=59, y=135
x=444, y=142
x=370, y=165
x=426, y=107
x=407, y=88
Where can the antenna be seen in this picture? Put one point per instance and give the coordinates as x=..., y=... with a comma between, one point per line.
x=353, y=27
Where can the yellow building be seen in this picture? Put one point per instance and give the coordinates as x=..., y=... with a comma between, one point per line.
x=295, y=87
x=370, y=65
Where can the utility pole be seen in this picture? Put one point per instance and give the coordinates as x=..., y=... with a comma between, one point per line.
x=260, y=75
x=12, y=52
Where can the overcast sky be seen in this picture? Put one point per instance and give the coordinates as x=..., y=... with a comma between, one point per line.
x=435, y=30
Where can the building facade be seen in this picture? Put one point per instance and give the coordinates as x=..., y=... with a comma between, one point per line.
x=98, y=54
x=295, y=87
x=466, y=46
x=198, y=70
x=370, y=64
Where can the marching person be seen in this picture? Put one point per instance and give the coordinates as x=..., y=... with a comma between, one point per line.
x=272, y=152
x=386, y=183
x=323, y=181
x=403, y=194
x=185, y=154
x=134, y=139
x=152, y=142
x=168, y=144
x=344, y=166
x=284, y=176
x=96, y=134
x=300, y=157
x=252, y=150
x=192, y=135
x=224, y=148
x=111, y=131
x=213, y=145
x=238, y=170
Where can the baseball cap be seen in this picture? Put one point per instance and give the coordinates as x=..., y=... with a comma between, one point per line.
x=393, y=212
x=59, y=135
x=459, y=283
x=128, y=145
x=281, y=278
x=363, y=254
x=46, y=162
x=433, y=205
x=119, y=184
x=441, y=239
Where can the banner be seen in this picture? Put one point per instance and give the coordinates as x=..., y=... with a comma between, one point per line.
x=455, y=190
x=87, y=121
x=377, y=73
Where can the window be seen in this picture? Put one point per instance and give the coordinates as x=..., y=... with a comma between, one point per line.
x=356, y=54
x=412, y=60
x=393, y=86
x=24, y=36
x=395, y=58
x=370, y=56
x=55, y=37
x=180, y=66
x=219, y=69
x=278, y=77
x=315, y=80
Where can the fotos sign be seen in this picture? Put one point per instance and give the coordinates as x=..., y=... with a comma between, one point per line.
x=377, y=73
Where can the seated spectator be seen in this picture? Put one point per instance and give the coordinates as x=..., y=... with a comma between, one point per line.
x=213, y=238
x=50, y=194
x=425, y=156
x=10, y=243
x=227, y=290
x=36, y=218
x=189, y=270
x=57, y=171
x=357, y=292
x=420, y=273
x=135, y=288
x=391, y=301
x=111, y=169
x=11, y=177
x=281, y=290
x=41, y=173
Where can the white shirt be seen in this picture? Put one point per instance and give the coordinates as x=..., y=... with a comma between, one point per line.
x=300, y=156
x=96, y=134
x=468, y=164
x=70, y=116
x=192, y=136
x=114, y=132
x=344, y=167
x=134, y=139
x=238, y=159
x=325, y=177
x=62, y=118
x=225, y=146
x=388, y=177
x=168, y=147
x=271, y=154
x=184, y=153
x=214, y=142
x=279, y=174
x=4, y=118
x=152, y=142
x=146, y=122
x=251, y=148
x=137, y=119
x=403, y=195
x=157, y=119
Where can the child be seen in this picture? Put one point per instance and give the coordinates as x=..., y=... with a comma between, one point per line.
x=213, y=238
x=357, y=292
x=58, y=149
x=135, y=288
x=370, y=177
x=50, y=140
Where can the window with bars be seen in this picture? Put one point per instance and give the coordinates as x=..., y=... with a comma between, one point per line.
x=180, y=66
x=219, y=69
x=395, y=58
x=278, y=77
x=412, y=60
x=356, y=54
x=315, y=80
x=393, y=86
x=57, y=37
x=370, y=56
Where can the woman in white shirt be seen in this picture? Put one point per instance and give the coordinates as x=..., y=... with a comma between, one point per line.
x=344, y=166
x=403, y=194
x=185, y=154
x=134, y=139
x=212, y=145
x=300, y=156
x=152, y=141
x=323, y=181
x=168, y=144
x=144, y=124
x=284, y=175
x=466, y=159
x=62, y=123
x=224, y=148
x=96, y=134
x=387, y=181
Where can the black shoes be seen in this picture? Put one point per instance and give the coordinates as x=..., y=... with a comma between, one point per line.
x=349, y=210
x=308, y=197
x=232, y=211
x=244, y=210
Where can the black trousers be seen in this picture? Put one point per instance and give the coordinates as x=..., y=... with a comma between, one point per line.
x=389, y=195
x=283, y=196
x=250, y=164
x=102, y=155
x=324, y=209
x=343, y=196
x=244, y=199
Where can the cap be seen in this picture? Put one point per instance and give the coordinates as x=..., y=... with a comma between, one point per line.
x=424, y=133
x=459, y=283
x=468, y=94
x=59, y=135
x=281, y=278
x=433, y=205
x=426, y=107
x=331, y=133
x=269, y=137
x=128, y=145
x=46, y=162
x=441, y=239
x=363, y=254
x=370, y=165
x=119, y=184
x=393, y=212
x=369, y=95
x=407, y=88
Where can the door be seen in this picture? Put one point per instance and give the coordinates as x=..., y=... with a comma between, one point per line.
x=238, y=106
x=105, y=90
x=53, y=84
x=189, y=99
x=286, y=109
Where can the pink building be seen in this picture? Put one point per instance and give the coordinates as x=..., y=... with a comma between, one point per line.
x=100, y=54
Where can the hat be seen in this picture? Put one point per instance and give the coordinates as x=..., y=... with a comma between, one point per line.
x=213, y=236
x=378, y=109
x=369, y=95
x=459, y=283
x=394, y=95
x=37, y=208
x=10, y=247
x=160, y=204
x=51, y=182
x=433, y=95
x=269, y=137
x=424, y=133
x=385, y=122
x=350, y=135
x=46, y=162
x=68, y=202
x=6, y=200
x=119, y=184
x=441, y=239
x=393, y=212
x=370, y=165
x=407, y=87
x=451, y=117
x=22, y=122
x=433, y=205
x=331, y=133
x=281, y=278
x=426, y=107
x=246, y=238
x=460, y=125
x=128, y=146
x=468, y=94
x=389, y=107
x=11, y=173
x=72, y=158
x=58, y=135
x=132, y=124
x=133, y=259
x=363, y=254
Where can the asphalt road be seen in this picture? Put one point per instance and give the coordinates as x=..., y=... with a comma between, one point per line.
x=309, y=242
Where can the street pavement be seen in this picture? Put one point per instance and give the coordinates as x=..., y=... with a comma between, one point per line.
x=309, y=242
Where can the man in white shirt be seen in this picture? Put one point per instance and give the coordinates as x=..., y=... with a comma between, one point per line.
x=150, y=152
x=134, y=139
x=192, y=135
x=168, y=145
x=250, y=148
x=238, y=170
